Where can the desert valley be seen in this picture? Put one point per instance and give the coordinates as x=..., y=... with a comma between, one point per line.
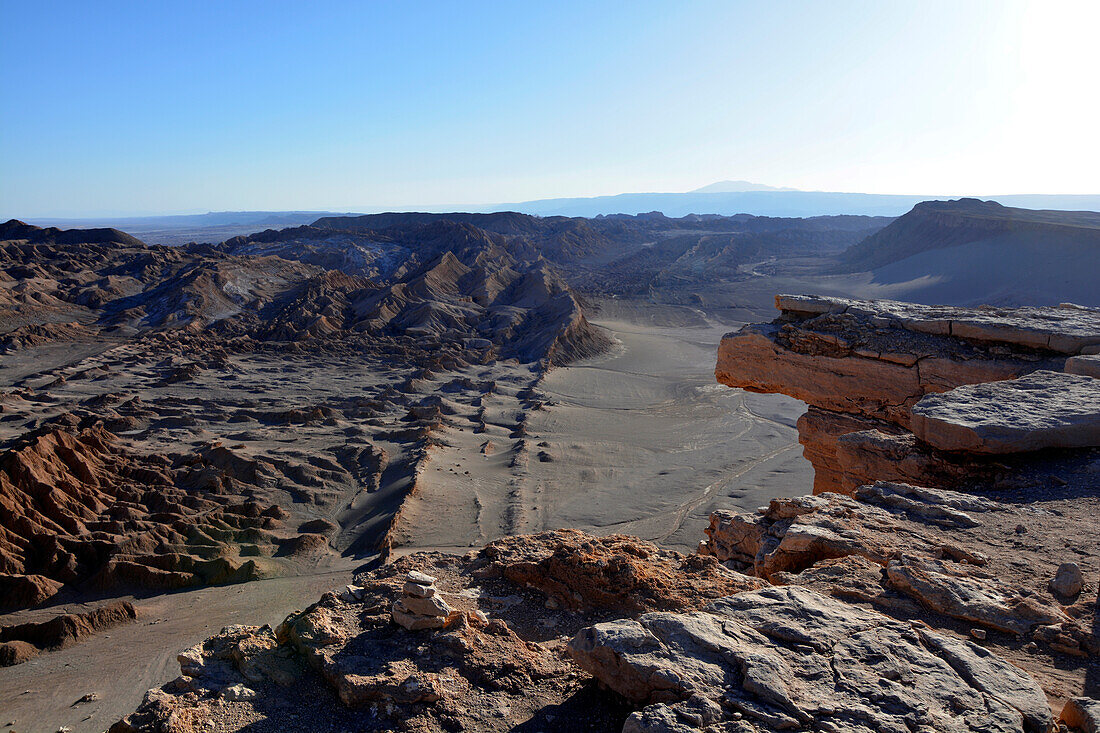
x=241, y=454
x=713, y=367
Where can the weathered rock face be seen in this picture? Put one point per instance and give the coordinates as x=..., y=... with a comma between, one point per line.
x=1082, y=713
x=864, y=366
x=686, y=643
x=617, y=573
x=787, y=658
x=498, y=663
x=81, y=509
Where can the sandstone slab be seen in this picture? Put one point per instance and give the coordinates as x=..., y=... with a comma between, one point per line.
x=1067, y=328
x=1088, y=366
x=1040, y=410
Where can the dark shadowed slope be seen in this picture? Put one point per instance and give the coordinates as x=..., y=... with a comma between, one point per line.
x=941, y=224
x=971, y=252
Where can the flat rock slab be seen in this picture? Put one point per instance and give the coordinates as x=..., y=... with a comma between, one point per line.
x=1040, y=410
x=1066, y=329
x=788, y=658
x=1088, y=366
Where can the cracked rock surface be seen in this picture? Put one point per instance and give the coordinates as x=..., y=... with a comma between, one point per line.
x=788, y=658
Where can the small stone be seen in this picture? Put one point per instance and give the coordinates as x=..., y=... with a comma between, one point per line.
x=351, y=593
x=415, y=622
x=419, y=578
x=979, y=634
x=238, y=692
x=418, y=590
x=433, y=606
x=1067, y=581
x=1031, y=647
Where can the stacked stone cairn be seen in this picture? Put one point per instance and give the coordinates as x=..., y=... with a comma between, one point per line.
x=420, y=606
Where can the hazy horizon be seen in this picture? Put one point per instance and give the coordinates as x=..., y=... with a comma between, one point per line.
x=520, y=205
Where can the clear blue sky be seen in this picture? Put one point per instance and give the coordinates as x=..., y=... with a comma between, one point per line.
x=153, y=107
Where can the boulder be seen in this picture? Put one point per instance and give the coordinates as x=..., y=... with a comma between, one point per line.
x=1088, y=366
x=1067, y=581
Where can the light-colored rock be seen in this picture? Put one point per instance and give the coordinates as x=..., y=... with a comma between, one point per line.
x=418, y=590
x=1041, y=410
x=788, y=658
x=1067, y=328
x=793, y=534
x=238, y=692
x=433, y=606
x=963, y=592
x=414, y=621
x=415, y=576
x=1068, y=580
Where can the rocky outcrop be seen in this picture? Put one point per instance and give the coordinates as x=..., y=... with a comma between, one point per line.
x=898, y=391
x=901, y=548
x=498, y=662
x=616, y=573
x=788, y=658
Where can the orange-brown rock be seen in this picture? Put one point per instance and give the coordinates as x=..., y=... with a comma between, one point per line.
x=78, y=507
x=618, y=572
x=875, y=358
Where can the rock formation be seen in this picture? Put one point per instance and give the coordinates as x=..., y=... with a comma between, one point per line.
x=20, y=642
x=898, y=391
x=787, y=658
x=940, y=577
x=420, y=606
x=899, y=548
x=80, y=509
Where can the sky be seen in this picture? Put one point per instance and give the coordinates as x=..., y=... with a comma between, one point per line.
x=110, y=109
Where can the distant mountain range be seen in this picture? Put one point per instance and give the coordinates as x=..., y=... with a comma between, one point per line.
x=725, y=198
x=777, y=202
x=738, y=187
